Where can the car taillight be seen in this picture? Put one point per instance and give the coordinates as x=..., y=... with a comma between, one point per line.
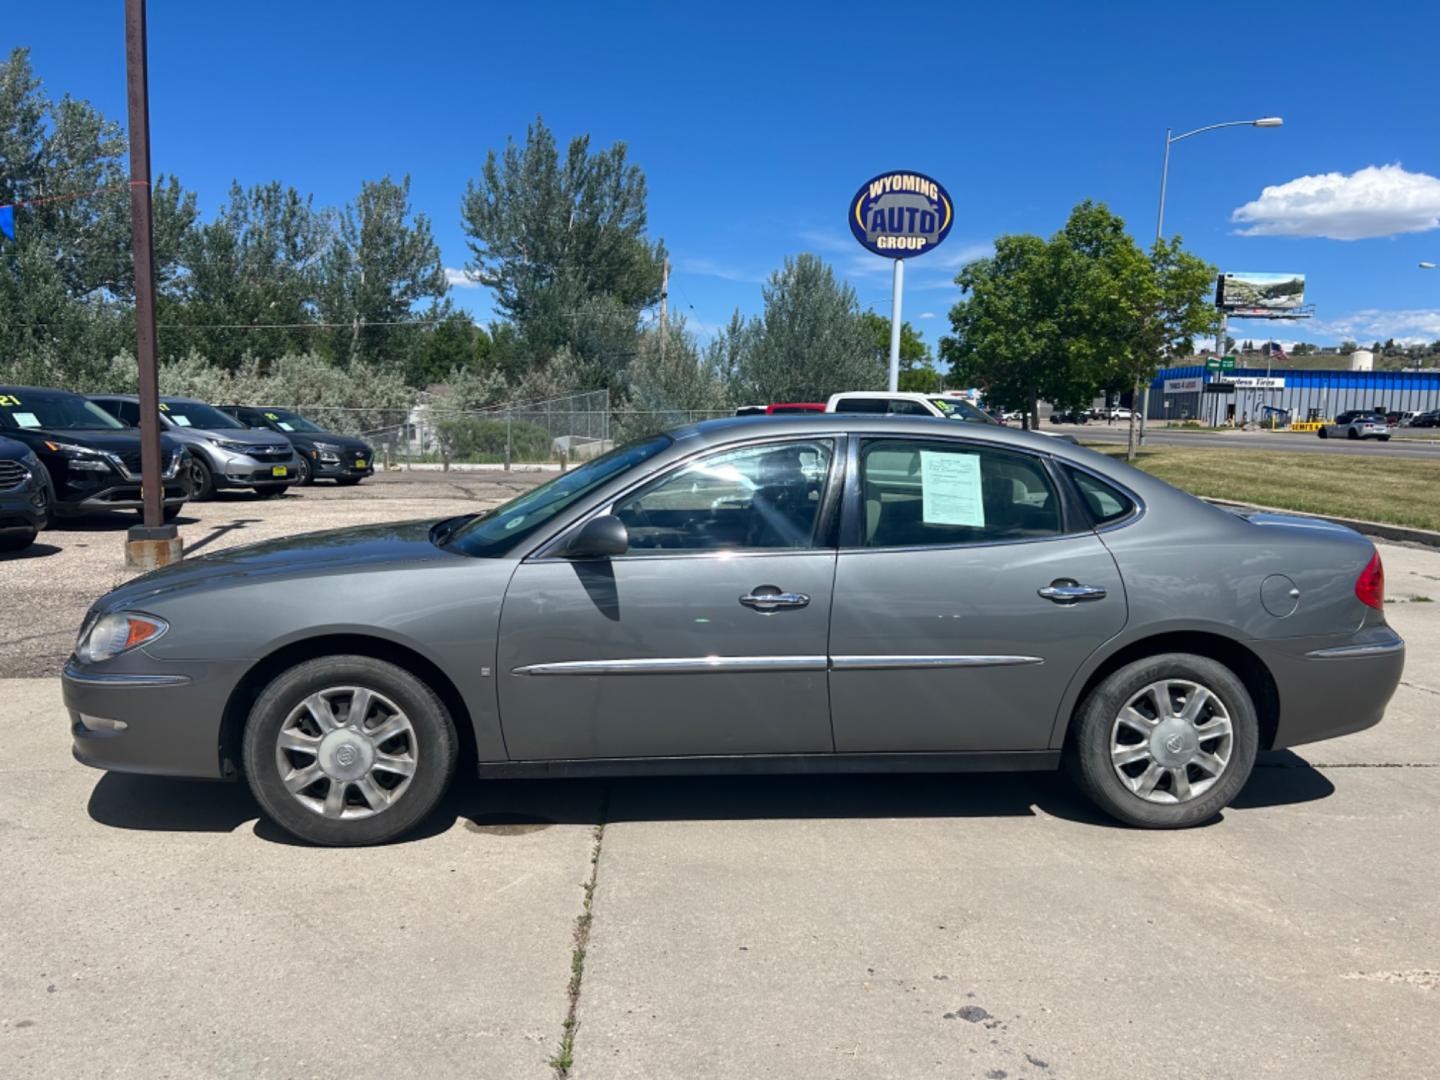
x=1370, y=585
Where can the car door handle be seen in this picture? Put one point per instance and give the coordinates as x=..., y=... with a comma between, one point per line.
x=1066, y=591
x=772, y=598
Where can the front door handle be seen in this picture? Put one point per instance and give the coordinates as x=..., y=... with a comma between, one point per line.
x=773, y=598
x=1067, y=591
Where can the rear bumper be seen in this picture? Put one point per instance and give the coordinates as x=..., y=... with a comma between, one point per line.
x=1333, y=689
x=165, y=721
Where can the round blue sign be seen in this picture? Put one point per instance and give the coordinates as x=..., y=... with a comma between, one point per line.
x=901, y=214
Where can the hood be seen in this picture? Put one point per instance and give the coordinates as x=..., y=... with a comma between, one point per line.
x=13, y=449
x=245, y=436
x=349, y=551
x=310, y=438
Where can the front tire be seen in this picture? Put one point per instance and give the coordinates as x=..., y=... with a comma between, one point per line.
x=349, y=750
x=1352, y=434
x=202, y=481
x=303, y=474
x=16, y=539
x=1323, y=433
x=1165, y=742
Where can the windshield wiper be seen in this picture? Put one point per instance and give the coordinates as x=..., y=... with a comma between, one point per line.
x=442, y=530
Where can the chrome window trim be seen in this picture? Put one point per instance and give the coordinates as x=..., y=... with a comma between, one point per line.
x=675, y=665
x=902, y=662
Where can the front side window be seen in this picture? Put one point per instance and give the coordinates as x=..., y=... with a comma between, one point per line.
x=756, y=498
x=920, y=493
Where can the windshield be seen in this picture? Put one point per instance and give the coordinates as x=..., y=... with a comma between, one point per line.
x=193, y=414
x=21, y=409
x=493, y=534
x=286, y=420
x=957, y=409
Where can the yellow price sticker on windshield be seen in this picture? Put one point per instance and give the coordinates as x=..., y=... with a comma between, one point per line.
x=271, y=416
x=9, y=399
x=164, y=407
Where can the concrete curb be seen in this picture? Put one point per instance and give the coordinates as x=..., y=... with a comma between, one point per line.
x=1401, y=533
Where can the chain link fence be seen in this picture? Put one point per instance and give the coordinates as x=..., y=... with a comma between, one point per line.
x=555, y=431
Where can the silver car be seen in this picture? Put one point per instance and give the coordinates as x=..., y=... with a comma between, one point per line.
x=812, y=593
x=224, y=453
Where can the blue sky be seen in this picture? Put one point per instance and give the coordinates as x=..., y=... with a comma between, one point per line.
x=755, y=124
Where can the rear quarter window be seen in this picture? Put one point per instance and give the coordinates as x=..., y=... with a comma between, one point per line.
x=1105, y=503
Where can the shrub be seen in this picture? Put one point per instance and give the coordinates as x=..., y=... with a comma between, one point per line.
x=471, y=438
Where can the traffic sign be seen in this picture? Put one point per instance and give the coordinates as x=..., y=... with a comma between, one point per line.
x=1213, y=364
x=1227, y=363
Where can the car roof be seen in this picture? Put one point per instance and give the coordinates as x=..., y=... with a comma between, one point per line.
x=136, y=397
x=38, y=390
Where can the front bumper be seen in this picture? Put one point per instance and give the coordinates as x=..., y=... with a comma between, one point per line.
x=122, y=496
x=1333, y=688
x=25, y=506
x=165, y=720
x=344, y=466
x=242, y=470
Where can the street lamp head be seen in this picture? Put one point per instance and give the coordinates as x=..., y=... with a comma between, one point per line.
x=1269, y=121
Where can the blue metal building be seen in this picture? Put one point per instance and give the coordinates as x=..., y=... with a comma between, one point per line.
x=1305, y=395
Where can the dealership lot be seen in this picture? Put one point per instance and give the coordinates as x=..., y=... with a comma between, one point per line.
x=980, y=926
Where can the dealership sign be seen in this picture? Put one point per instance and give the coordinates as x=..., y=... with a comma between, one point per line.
x=1184, y=386
x=1259, y=382
x=901, y=214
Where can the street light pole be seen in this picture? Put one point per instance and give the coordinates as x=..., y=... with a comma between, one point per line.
x=1170, y=140
x=152, y=543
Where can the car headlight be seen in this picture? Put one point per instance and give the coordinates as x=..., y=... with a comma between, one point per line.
x=226, y=444
x=111, y=635
x=328, y=447
x=81, y=458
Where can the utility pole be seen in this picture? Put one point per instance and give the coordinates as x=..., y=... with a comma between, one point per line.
x=664, y=302
x=152, y=543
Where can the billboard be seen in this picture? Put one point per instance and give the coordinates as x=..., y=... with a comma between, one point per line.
x=901, y=214
x=1260, y=292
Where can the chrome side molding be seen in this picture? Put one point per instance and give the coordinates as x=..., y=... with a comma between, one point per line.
x=1346, y=652
x=118, y=681
x=898, y=663
x=675, y=665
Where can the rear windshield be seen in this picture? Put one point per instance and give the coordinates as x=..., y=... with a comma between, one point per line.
x=22, y=409
x=496, y=533
x=192, y=414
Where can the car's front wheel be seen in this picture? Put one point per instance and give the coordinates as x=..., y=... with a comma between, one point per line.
x=349, y=750
x=1165, y=742
x=16, y=539
x=202, y=480
x=304, y=475
x=1323, y=433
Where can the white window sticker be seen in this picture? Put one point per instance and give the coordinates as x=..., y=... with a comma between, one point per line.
x=180, y=421
x=950, y=489
x=25, y=419
x=284, y=426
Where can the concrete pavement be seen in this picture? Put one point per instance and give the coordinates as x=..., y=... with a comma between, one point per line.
x=963, y=926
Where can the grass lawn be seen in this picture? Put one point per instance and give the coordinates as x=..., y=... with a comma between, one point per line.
x=1400, y=491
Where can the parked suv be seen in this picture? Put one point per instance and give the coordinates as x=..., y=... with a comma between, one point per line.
x=92, y=458
x=1359, y=424
x=321, y=454
x=223, y=454
x=24, y=495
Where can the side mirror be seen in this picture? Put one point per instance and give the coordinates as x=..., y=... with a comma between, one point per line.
x=600, y=538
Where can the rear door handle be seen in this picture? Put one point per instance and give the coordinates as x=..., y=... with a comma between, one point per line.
x=1066, y=591
x=772, y=598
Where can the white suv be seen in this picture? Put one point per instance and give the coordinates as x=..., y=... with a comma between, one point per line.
x=901, y=403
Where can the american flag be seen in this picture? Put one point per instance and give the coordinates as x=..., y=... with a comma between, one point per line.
x=1274, y=349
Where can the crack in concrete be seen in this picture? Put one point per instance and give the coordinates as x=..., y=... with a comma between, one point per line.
x=564, y=1059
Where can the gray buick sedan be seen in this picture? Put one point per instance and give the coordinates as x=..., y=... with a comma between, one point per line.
x=805, y=593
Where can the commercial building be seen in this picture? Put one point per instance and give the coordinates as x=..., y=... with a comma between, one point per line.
x=1180, y=394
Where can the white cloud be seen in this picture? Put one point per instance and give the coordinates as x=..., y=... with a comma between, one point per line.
x=458, y=279
x=1376, y=201
x=711, y=268
x=1413, y=326
x=926, y=315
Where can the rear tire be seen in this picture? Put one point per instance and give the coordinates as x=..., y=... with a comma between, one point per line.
x=1352, y=434
x=345, y=781
x=1185, y=771
x=1383, y=438
x=1323, y=433
x=170, y=513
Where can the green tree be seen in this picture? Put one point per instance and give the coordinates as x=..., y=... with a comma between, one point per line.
x=255, y=263
x=563, y=246
x=67, y=278
x=917, y=373
x=670, y=385
x=380, y=277
x=810, y=341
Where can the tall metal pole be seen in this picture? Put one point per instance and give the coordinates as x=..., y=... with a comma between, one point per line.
x=664, y=303
x=895, y=292
x=138, y=94
x=1159, y=234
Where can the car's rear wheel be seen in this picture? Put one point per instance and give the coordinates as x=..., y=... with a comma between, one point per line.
x=349, y=750
x=1352, y=434
x=1383, y=438
x=1165, y=742
x=1323, y=433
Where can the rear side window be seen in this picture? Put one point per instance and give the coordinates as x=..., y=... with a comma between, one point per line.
x=1105, y=503
x=920, y=493
x=862, y=405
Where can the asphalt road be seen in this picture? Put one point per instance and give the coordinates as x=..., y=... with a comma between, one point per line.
x=1420, y=445
x=836, y=927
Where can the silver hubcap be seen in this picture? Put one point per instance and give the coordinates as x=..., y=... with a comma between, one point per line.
x=1171, y=741
x=346, y=752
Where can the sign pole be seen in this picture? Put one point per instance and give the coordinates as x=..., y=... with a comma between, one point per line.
x=895, y=292
x=153, y=543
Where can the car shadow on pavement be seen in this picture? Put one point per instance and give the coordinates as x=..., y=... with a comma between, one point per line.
x=513, y=807
x=34, y=551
